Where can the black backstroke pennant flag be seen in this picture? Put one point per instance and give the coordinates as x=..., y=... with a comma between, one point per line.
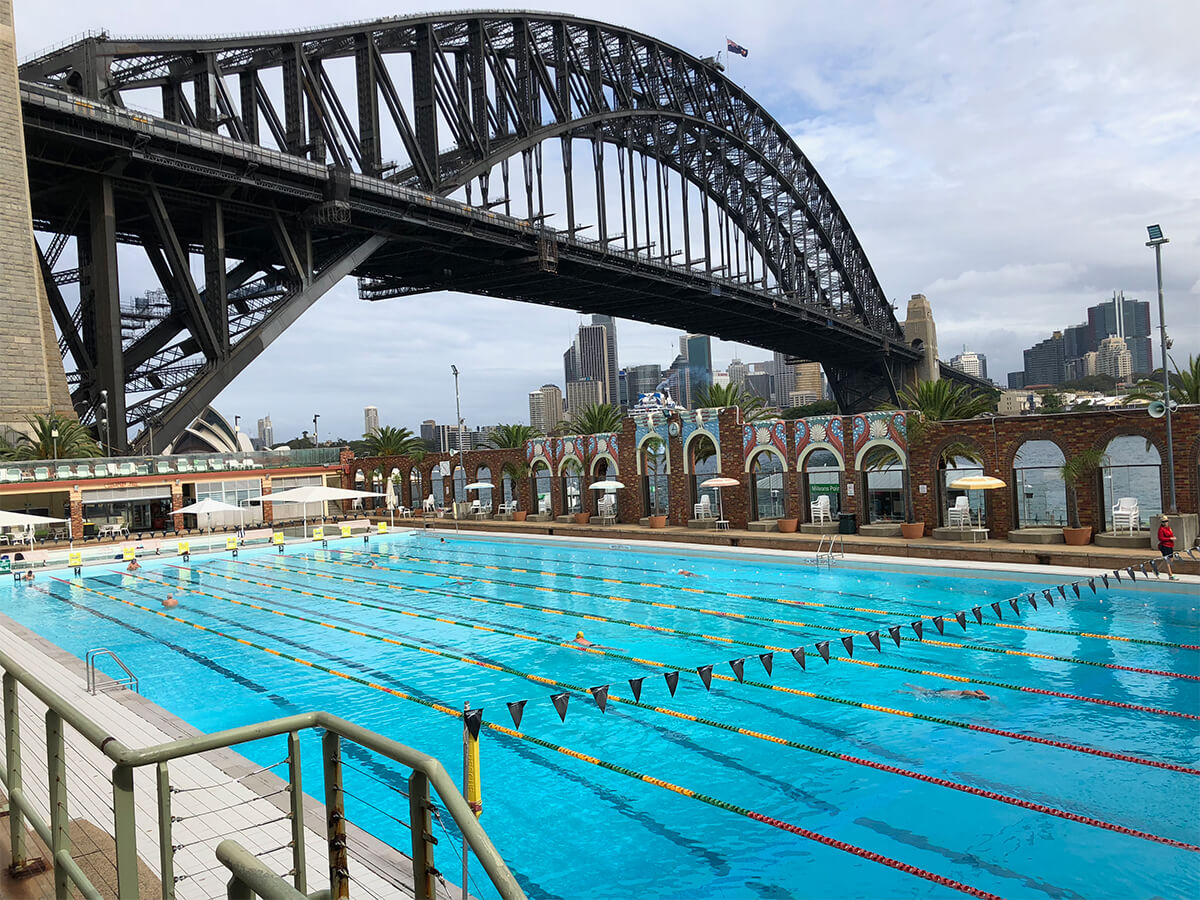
x=939, y=623
x=1118, y=574
x=706, y=676
x=823, y=649
x=1075, y=588
x=798, y=655
x=1049, y=597
x=1012, y=601
x=1129, y=571
x=873, y=637
x=560, y=704
x=919, y=627
x=1153, y=565
x=1033, y=601
x=635, y=685
x=978, y=613
x=996, y=608
x=894, y=631
x=766, y=659
x=1092, y=584
x=848, y=643
x=1104, y=578
x=473, y=718
x=516, y=709
x=961, y=617
x=1062, y=590
x=600, y=695
x=738, y=666
x=672, y=681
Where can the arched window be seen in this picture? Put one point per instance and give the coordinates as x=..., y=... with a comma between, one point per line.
x=484, y=474
x=822, y=478
x=704, y=464
x=1037, y=482
x=540, y=478
x=572, y=485
x=436, y=489
x=883, y=480
x=655, y=490
x=460, y=484
x=766, y=487
x=1132, y=467
x=414, y=487
x=951, y=469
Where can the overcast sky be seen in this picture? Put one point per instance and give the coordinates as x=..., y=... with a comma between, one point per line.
x=1003, y=158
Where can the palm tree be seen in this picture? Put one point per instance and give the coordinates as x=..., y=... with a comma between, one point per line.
x=511, y=437
x=73, y=441
x=599, y=418
x=1187, y=382
x=713, y=396
x=389, y=441
x=1073, y=471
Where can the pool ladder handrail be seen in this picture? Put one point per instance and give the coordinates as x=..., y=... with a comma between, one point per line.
x=835, y=540
x=94, y=685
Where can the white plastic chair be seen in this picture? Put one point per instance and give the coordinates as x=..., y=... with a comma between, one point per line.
x=819, y=510
x=1125, y=513
x=427, y=505
x=703, y=509
x=960, y=513
x=544, y=506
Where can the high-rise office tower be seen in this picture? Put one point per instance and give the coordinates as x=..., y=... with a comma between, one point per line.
x=266, y=432
x=737, y=372
x=370, y=420
x=643, y=379
x=785, y=380
x=696, y=349
x=545, y=408
x=806, y=384
x=1045, y=362
x=611, y=377
x=1114, y=359
x=971, y=363
x=587, y=359
x=582, y=394
x=1128, y=319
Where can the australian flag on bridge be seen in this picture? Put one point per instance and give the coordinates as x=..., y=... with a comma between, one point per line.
x=734, y=47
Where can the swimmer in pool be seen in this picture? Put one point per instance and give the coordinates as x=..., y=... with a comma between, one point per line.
x=949, y=693
x=170, y=602
x=584, y=642
x=133, y=566
x=686, y=574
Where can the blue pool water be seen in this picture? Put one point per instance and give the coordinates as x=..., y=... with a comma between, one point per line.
x=570, y=828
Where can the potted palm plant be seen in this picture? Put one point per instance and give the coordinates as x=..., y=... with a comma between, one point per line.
x=1073, y=472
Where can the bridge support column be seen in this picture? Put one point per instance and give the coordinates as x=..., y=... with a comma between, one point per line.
x=919, y=326
x=101, y=299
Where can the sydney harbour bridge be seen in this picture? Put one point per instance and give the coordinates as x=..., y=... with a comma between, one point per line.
x=527, y=156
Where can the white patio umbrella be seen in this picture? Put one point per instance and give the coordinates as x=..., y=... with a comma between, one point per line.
x=207, y=507
x=26, y=521
x=389, y=496
x=607, y=485
x=719, y=482
x=314, y=493
x=977, y=483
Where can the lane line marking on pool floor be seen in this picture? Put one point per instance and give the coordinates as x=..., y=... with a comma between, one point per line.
x=780, y=824
x=770, y=647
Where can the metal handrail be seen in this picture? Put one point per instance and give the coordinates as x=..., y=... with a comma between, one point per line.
x=250, y=877
x=129, y=681
x=427, y=773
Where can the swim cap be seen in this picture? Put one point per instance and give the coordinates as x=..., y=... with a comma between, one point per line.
x=579, y=634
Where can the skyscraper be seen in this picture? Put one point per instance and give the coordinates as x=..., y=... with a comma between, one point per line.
x=266, y=432
x=582, y=394
x=737, y=372
x=611, y=385
x=370, y=420
x=1114, y=359
x=1045, y=363
x=784, y=380
x=696, y=350
x=807, y=386
x=1128, y=319
x=545, y=408
x=972, y=363
x=587, y=359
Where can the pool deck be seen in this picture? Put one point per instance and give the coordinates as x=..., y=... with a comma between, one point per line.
x=243, y=801
x=1023, y=556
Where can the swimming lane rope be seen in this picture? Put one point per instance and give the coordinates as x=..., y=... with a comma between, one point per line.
x=558, y=748
x=969, y=726
x=713, y=723
x=549, y=610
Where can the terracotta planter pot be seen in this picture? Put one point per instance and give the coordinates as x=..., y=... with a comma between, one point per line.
x=658, y=521
x=519, y=515
x=1078, y=537
x=912, y=530
x=582, y=518
x=787, y=526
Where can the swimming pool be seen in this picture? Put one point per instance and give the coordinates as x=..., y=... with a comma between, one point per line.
x=1038, y=790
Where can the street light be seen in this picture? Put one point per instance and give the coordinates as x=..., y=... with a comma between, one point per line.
x=461, y=459
x=316, y=434
x=1156, y=241
x=54, y=437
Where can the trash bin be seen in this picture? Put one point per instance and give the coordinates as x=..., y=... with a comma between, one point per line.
x=847, y=523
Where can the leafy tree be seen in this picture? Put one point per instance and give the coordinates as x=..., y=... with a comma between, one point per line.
x=1052, y=402
x=1104, y=384
x=74, y=441
x=390, y=441
x=713, y=396
x=511, y=437
x=820, y=408
x=656, y=458
x=599, y=418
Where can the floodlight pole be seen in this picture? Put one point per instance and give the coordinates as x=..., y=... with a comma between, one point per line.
x=462, y=461
x=1156, y=241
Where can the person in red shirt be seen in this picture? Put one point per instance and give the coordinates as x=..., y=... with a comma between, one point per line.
x=1166, y=544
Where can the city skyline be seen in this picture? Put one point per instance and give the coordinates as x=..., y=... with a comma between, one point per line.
x=1006, y=172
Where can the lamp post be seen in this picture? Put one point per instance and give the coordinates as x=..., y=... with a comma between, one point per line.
x=1156, y=241
x=54, y=438
x=237, y=431
x=316, y=434
x=462, y=461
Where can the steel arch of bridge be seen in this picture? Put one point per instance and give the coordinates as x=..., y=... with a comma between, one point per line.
x=480, y=92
